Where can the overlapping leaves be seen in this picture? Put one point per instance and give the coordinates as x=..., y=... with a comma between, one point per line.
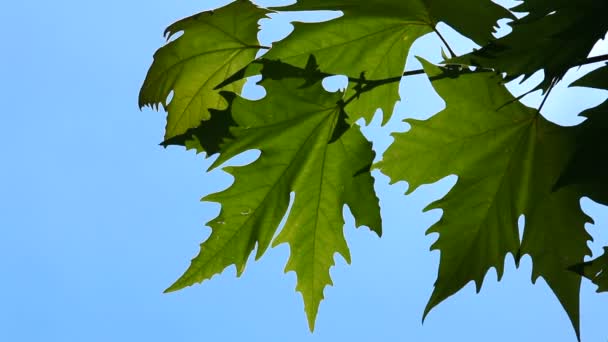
x=554, y=37
x=588, y=169
x=509, y=160
x=304, y=150
x=342, y=46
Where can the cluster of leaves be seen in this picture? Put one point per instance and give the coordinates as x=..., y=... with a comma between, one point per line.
x=510, y=161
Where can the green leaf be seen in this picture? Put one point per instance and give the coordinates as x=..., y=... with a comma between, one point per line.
x=507, y=158
x=214, y=45
x=473, y=19
x=595, y=270
x=588, y=166
x=554, y=37
x=295, y=130
x=554, y=237
x=211, y=134
x=342, y=45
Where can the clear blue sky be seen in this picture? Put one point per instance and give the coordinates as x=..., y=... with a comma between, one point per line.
x=96, y=219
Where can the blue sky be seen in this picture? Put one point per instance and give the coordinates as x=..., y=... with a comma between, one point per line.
x=97, y=220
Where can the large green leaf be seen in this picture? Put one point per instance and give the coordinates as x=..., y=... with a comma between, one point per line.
x=214, y=45
x=555, y=36
x=304, y=150
x=507, y=158
x=342, y=45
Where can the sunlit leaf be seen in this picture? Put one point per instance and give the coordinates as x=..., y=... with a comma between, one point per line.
x=213, y=46
x=294, y=128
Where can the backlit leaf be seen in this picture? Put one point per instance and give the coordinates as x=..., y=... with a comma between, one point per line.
x=213, y=46
x=342, y=45
x=294, y=128
x=507, y=158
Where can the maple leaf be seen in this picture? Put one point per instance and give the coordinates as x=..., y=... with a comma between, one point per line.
x=555, y=36
x=295, y=129
x=342, y=45
x=507, y=158
x=213, y=46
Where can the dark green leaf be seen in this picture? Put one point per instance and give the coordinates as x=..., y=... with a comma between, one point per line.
x=595, y=270
x=507, y=158
x=588, y=166
x=554, y=37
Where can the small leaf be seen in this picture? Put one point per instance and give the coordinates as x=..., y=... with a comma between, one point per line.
x=214, y=45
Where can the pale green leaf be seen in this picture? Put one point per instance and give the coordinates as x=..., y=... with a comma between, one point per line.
x=214, y=45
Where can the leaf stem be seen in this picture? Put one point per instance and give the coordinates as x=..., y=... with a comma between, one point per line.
x=445, y=42
x=593, y=59
x=553, y=82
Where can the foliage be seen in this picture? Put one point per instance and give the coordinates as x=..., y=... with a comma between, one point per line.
x=509, y=159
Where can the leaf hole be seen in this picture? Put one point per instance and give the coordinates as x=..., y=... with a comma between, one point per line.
x=169, y=98
x=521, y=223
x=252, y=90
